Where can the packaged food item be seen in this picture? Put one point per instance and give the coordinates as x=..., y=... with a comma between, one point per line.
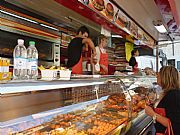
x=55, y=73
x=5, y=75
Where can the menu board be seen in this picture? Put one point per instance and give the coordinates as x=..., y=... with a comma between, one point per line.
x=103, y=7
x=109, y=11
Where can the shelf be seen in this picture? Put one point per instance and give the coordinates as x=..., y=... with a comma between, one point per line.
x=19, y=87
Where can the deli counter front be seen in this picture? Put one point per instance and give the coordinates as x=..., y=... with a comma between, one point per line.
x=93, y=106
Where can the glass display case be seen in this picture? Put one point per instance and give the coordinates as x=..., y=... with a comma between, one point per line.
x=81, y=106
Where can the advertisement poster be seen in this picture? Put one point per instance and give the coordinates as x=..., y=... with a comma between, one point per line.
x=140, y=34
x=103, y=7
x=133, y=29
x=122, y=20
x=113, y=14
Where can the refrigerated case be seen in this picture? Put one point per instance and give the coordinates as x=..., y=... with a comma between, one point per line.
x=110, y=105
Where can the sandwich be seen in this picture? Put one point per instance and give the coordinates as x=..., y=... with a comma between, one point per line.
x=98, y=4
x=109, y=10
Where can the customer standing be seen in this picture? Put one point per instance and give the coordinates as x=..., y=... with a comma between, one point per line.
x=168, y=79
x=75, y=49
x=102, y=56
x=132, y=61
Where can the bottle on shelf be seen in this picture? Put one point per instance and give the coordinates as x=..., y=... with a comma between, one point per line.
x=32, y=61
x=20, y=61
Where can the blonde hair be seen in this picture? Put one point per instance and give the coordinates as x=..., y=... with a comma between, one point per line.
x=169, y=78
x=100, y=37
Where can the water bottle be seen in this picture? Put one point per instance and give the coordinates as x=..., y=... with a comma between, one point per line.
x=20, y=61
x=32, y=58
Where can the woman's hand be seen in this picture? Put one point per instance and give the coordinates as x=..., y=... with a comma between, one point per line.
x=149, y=111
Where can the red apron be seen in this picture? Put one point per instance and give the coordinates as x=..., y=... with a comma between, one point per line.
x=77, y=69
x=103, y=61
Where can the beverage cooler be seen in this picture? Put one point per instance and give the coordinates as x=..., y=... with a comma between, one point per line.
x=82, y=106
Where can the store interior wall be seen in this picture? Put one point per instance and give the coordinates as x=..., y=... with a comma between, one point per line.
x=145, y=50
x=168, y=50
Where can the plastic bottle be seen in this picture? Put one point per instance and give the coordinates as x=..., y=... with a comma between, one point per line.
x=20, y=61
x=32, y=57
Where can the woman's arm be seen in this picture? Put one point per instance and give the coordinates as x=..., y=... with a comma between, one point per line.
x=161, y=119
x=90, y=43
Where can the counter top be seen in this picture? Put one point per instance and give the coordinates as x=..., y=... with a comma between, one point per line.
x=13, y=87
x=18, y=87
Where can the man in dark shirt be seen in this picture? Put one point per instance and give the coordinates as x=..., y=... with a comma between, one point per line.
x=75, y=49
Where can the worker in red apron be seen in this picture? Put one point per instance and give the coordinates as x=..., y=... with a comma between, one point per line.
x=75, y=49
x=102, y=56
x=133, y=62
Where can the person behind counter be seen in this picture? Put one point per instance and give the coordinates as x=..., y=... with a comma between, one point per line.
x=75, y=49
x=102, y=56
x=132, y=61
x=168, y=79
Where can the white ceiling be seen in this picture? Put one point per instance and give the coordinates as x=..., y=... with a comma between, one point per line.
x=143, y=12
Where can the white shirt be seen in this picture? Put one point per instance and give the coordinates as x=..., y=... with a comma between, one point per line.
x=98, y=52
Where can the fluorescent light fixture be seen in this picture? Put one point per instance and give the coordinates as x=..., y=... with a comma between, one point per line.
x=26, y=19
x=117, y=36
x=49, y=27
x=161, y=28
x=17, y=16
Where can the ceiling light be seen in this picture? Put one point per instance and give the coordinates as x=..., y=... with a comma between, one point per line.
x=17, y=16
x=161, y=28
x=116, y=36
x=49, y=27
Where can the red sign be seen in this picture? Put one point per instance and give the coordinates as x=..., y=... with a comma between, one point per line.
x=118, y=18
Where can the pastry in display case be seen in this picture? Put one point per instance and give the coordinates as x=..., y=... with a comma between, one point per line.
x=91, y=110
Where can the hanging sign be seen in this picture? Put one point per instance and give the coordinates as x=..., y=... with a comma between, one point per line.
x=109, y=11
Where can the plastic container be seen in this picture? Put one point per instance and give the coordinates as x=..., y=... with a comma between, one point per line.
x=49, y=74
x=65, y=74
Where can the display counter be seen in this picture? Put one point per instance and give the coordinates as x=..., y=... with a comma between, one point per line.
x=80, y=106
x=20, y=87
